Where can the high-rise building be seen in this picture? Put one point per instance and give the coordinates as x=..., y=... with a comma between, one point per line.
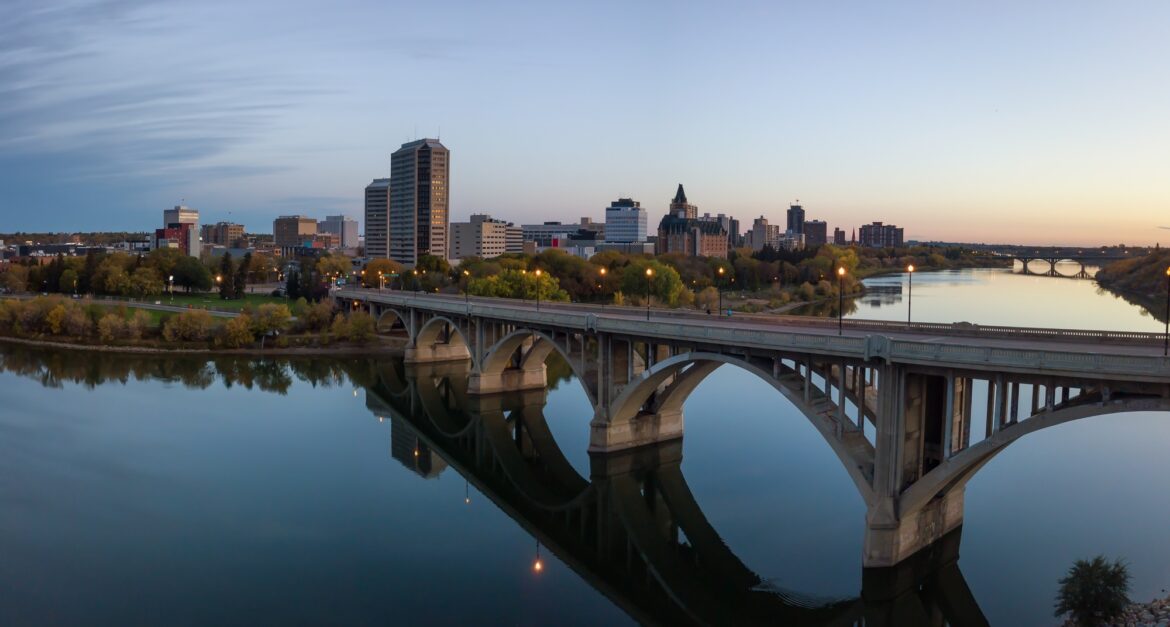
x=419, y=200
x=344, y=227
x=796, y=219
x=482, y=236
x=549, y=234
x=227, y=234
x=763, y=234
x=377, y=219
x=839, y=237
x=514, y=239
x=185, y=219
x=680, y=203
x=293, y=231
x=878, y=235
x=816, y=233
x=625, y=221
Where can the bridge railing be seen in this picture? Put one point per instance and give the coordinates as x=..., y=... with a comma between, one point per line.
x=963, y=329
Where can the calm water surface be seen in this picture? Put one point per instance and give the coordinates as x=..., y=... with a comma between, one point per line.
x=146, y=491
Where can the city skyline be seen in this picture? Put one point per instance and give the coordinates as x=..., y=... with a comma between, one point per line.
x=917, y=115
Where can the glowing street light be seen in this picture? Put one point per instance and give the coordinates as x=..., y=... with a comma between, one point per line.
x=537, y=564
x=840, y=299
x=910, y=292
x=1166, y=333
x=649, y=273
x=537, y=273
x=466, y=284
x=719, y=288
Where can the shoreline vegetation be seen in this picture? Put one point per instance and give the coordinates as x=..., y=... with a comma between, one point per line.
x=1141, y=281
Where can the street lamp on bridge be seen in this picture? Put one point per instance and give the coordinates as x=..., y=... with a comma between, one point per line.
x=840, y=299
x=1166, y=333
x=910, y=292
x=719, y=288
x=537, y=272
x=649, y=273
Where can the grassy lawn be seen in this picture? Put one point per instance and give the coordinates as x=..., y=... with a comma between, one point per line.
x=211, y=300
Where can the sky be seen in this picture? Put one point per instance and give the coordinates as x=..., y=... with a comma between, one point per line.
x=1037, y=122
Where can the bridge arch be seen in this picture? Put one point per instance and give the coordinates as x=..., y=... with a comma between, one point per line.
x=438, y=339
x=388, y=319
x=642, y=400
x=508, y=354
x=961, y=467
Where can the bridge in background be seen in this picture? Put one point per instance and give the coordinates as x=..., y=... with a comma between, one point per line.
x=896, y=403
x=1053, y=255
x=631, y=529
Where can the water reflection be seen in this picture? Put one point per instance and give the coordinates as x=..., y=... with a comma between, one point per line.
x=631, y=529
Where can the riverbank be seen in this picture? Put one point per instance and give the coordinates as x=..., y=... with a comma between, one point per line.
x=1156, y=613
x=1142, y=281
x=341, y=349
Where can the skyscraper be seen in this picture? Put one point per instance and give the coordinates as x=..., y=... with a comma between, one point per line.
x=680, y=204
x=625, y=221
x=796, y=220
x=186, y=220
x=419, y=197
x=293, y=231
x=378, y=219
x=816, y=233
x=344, y=227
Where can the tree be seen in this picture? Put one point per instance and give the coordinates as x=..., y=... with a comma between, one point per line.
x=386, y=267
x=68, y=281
x=240, y=284
x=191, y=275
x=224, y=278
x=292, y=285
x=189, y=326
x=334, y=267
x=1093, y=591
x=91, y=265
x=15, y=279
x=236, y=332
x=270, y=317
x=664, y=284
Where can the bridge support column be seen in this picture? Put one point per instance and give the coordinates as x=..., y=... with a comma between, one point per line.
x=606, y=436
x=918, y=417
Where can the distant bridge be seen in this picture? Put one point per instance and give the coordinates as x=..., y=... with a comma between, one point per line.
x=895, y=402
x=1052, y=255
x=632, y=529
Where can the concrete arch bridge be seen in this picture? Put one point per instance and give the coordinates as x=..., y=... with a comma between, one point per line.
x=632, y=528
x=911, y=411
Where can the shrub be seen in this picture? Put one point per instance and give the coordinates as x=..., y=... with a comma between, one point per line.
x=236, y=332
x=361, y=327
x=189, y=326
x=270, y=317
x=1093, y=591
x=317, y=316
x=137, y=325
x=111, y=327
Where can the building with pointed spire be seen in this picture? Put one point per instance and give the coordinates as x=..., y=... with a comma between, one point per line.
x=680, y=204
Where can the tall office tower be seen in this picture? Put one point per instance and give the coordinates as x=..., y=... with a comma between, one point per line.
x=625, y=221
x=344, y=227
x=419, y=200
x=514, y=239
x=839, y=237
x=816, y=233
x=185, y=219
x=293, y=231
x=680, y=204
x=378, y=219
x=796, y=220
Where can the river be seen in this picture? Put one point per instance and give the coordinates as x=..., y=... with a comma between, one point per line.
x=149, y=490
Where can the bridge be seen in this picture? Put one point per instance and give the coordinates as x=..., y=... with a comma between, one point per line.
x=911, y=411
x=632, y=529
x=1053, y=255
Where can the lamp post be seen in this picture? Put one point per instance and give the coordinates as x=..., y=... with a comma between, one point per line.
x=719, y=288
x=649, y=273
x=910, y=292
x=840, y=299
x=466, y=284
x=416, y=284
x=1166, y=333
x=537, y=273
x=170, y=278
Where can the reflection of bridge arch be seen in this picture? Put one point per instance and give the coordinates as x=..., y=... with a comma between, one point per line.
x=656, y=401
x=636, y=533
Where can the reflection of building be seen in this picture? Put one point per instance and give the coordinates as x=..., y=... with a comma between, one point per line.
x=625, y=221
x=419, y=180
x=378, y=219
x=878, y=235
x=407, y=448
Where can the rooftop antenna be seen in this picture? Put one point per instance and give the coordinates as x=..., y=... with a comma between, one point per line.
x=416, y=131
x=440, y=135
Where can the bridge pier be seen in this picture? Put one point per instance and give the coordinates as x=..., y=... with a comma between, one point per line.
x=531, y=377
x=437, y=352
x=606, y=436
